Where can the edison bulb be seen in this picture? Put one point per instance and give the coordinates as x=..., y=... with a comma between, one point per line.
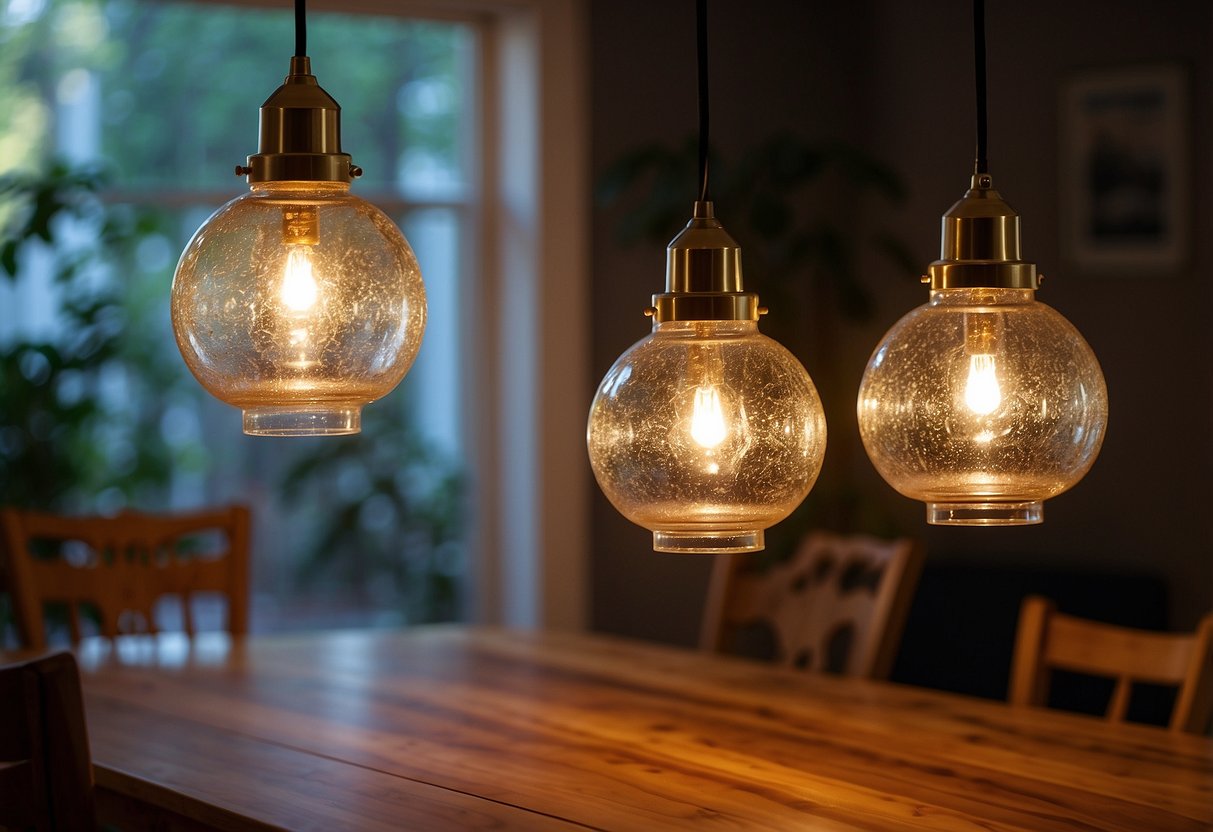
x=706, y=433
x=298, y=303
x=708, y=426
x=298, y=284
x=983, y=403
x=982, y=393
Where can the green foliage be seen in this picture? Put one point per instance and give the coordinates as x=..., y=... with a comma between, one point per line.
x=393, y=524
x=796, y=202
x=147, y=89
x=78, y=416
x=168, y=93
x=178, y=85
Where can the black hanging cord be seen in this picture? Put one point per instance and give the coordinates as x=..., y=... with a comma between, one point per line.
x=300, y=28
x=701, y=30
x=982, y=165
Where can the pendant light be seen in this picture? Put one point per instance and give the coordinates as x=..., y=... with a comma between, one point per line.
x=984, y=402
x=298, y=302
x=706, y=432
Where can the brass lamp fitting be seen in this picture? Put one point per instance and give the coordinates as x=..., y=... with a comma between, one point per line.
x=703, y=275
x=300, y=134
x=980, y=245
x=301, y=225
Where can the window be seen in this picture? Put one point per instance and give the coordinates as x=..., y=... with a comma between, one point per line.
x=471, y=134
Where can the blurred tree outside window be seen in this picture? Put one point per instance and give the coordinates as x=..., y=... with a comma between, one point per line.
x=120, y=124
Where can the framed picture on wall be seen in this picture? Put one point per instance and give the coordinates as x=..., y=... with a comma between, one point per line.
x=1125, y=170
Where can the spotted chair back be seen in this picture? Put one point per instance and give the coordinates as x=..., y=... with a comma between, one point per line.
x=837, y=605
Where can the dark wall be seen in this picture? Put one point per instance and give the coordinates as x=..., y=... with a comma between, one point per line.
x=896, y=78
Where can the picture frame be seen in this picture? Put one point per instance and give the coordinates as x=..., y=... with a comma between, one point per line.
x=1125, y=169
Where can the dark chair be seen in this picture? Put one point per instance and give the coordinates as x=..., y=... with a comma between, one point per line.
x=46, y=777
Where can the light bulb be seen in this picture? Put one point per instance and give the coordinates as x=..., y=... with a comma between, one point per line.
x=707, y=423
x=298, y=302
x=298, y=283
x=706, y=432
x=984, y=402
x=982, y=394
x=708, y=426
x=298, y=296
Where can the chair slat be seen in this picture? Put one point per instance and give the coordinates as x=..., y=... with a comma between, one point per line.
x=1105, y=650
x=137, y=561
x=1049, y=640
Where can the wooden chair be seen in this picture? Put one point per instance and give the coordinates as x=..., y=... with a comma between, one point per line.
x=838, y=604
x=122, y=565
x=46, y=777
x=1049, y=640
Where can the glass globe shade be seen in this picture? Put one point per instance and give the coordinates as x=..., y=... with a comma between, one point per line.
x=706, y=433
x=298, y=303
x=983, y=403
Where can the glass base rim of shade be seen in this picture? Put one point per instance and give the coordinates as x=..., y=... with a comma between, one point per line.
x=709, y=542
x=302, y=421
x=1029, y=513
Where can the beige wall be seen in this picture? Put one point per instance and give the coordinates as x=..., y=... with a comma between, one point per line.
x=896, y=77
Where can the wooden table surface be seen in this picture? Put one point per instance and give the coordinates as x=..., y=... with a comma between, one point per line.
x=454, y=728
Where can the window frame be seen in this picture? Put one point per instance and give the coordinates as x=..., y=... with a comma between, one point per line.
x=525, y=374
x=533, y=490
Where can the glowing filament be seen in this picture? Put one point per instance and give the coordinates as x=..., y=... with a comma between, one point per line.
x=299, y=289
x=708, y=427
x=982, y=394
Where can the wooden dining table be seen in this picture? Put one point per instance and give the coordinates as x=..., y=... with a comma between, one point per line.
x=457, y=728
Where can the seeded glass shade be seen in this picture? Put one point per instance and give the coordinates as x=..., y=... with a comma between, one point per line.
x=298, y=303
x=706, y=433
x=983, y=403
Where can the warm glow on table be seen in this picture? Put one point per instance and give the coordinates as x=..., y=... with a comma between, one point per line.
x=451, y=728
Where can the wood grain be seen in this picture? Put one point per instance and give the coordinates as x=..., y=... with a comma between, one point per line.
x=262, y=786
x=456, y=728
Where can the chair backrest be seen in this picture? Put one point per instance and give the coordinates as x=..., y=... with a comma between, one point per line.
x=838, y=604
x=46, y=777
x=1048, y=640
x=122, y=565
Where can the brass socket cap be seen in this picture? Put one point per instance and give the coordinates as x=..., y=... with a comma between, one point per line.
x=980, y=243
x=300, y=133
x=703, y=274
x=703, y=257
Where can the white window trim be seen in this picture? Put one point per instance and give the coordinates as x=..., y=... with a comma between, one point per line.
x=527, y=328
x=528, y=437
